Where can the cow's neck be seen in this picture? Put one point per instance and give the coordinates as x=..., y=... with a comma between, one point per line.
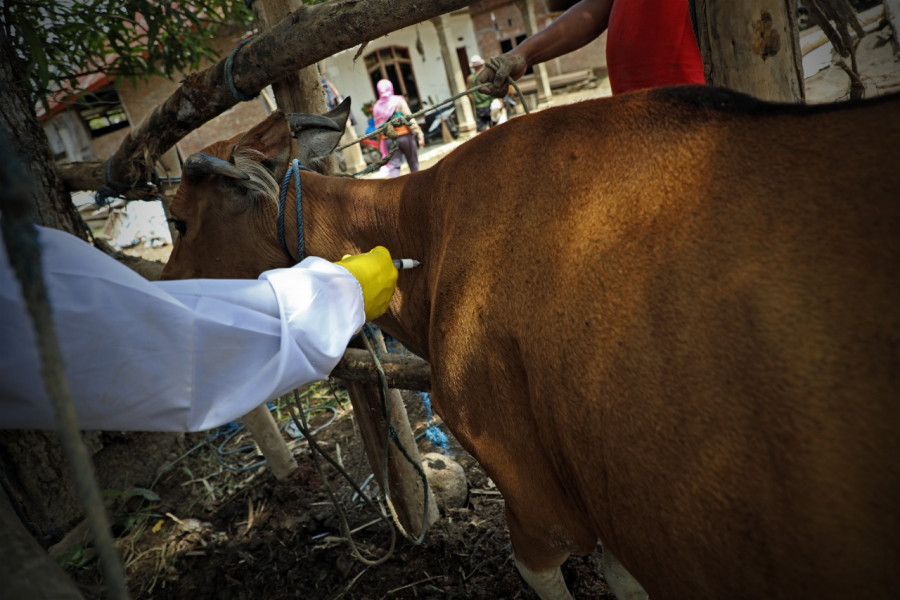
x=346, y=216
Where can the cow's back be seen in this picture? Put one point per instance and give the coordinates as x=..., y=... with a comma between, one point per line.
x=681, y=335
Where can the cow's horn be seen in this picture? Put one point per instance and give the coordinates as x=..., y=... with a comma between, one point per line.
x=200, y=164
x=301, y=121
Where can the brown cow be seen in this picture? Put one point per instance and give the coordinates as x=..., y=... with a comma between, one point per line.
x=669, y=321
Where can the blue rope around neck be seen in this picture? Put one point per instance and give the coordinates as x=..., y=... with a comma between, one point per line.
x=294, y=168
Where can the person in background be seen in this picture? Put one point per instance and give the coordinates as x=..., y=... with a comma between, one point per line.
x=650, y=43
x=409, y=138
x=370, y=118
x=371, y=147
x=480, y=100
x=498, y=112
x=333, y=97
x=186, y=355
x=503, y=108
x=510, y=102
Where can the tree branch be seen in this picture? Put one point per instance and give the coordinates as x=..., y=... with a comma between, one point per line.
x=307, y=35
x=403, y=371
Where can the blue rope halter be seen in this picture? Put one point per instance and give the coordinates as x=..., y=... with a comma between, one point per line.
x=294, y=168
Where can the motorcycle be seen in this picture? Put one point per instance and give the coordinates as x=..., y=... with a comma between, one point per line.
x=371, y=150
x=433, y=120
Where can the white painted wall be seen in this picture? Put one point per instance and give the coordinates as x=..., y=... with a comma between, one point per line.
x=67, y=133
x=462, y=34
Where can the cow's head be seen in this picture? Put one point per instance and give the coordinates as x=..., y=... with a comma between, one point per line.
x=226, y=207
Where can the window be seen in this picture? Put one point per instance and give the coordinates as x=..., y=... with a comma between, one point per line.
x=394, y=63
x=102, y=111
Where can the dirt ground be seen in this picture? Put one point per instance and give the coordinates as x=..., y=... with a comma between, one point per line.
x=204, y=530
x=208, y=531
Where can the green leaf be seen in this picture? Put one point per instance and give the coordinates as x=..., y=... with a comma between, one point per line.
x=58, y=40
x=73, y=558
x=144, y=493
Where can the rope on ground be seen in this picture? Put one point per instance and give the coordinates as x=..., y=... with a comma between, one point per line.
x=24, y=252
x=229, y=458
x=298, y=414
x=299, y=418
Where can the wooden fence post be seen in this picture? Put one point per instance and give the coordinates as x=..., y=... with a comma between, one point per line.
x=752, y=47
x=404, y=481
x=265, y=433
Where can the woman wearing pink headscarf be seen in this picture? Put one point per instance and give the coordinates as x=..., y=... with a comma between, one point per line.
x=386, y=107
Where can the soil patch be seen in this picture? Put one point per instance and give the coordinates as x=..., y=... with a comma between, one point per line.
x=208, y=531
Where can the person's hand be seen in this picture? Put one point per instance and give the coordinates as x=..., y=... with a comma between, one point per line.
x=507, y=66
x=421, y=138
x=377, y=277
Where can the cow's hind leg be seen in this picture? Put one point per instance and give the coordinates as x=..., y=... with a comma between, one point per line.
x=548, y=585
x=619, y=580
x=536, y=559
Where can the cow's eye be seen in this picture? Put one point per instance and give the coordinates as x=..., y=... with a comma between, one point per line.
x=179, y=226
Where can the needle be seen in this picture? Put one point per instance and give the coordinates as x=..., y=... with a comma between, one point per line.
x=406, y=263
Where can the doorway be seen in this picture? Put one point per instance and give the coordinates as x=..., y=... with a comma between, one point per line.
x=393, y=63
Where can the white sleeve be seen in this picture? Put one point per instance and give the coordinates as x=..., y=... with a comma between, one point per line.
x=172, y=355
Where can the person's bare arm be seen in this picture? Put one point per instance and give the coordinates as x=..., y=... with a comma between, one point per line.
x=403, y=107
x=576, y=27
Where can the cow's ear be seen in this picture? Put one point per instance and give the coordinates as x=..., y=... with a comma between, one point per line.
x=269, y=143
x=318, y=135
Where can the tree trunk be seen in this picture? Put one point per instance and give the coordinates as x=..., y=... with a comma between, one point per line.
x=752, y=47
x=25, y=569
x=53, y=205
x=43, y=485
x=32, y=463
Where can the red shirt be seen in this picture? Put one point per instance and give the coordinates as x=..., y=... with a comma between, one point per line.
x=650, y=43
